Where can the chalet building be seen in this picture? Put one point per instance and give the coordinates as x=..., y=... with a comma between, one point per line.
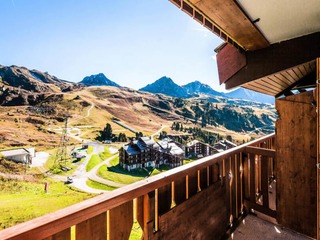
x=224, y=145
x=169, y=153
x=199, y=149
x=21, y=155
x=145, y=152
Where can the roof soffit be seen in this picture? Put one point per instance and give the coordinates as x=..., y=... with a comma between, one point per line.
x=230, y=18
x=285, y=19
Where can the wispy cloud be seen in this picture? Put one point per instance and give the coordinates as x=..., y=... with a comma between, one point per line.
x=205, y=31
x=13, y=4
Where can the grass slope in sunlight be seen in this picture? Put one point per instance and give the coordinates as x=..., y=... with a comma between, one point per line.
x=21, y=201
x=100, y=186
x=94, y=161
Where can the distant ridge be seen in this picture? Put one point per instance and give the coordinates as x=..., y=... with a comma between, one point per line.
x=24, y=82
x=197, y=87
x=250, y=95
x=98, y=80
x=166, y=86
x=33, y=80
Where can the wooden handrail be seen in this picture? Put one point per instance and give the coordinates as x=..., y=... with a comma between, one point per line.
x=47, y=225
x=261, y=151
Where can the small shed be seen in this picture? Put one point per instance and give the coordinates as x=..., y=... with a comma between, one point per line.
x=21, y=155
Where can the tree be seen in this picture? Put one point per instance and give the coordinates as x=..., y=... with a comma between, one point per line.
x=139, y=134
x=229, y=138
x=122, y=137
x=163, y=135
x=177, y=128
x=106, y=133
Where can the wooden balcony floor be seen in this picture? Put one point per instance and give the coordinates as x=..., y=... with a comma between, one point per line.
x=255, y=228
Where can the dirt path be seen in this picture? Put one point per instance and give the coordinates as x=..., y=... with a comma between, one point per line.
x=71, y=130
x=158, y=132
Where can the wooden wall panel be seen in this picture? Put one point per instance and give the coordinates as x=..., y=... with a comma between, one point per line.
x=121, y=221
x=180, y=190
x=296, y=159
x=64, y=235
x=193, y=183
x=165, y=199
x=141, y=212
x=203, y=216
x=93, y=228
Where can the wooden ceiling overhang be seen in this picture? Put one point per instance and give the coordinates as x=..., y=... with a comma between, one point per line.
x=246, y=58
x=274, y=69
x=226, y=19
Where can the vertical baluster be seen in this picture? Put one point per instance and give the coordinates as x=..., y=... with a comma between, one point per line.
x=156, y=210
x=228, y=187
x=246, y=176
x=234, y=185
x=241, y=181
x=173, y=202
x=264, y=180
x=256, y=171
x=187, y=187
x=208, y=176
x=199, y=181
x=252, y=166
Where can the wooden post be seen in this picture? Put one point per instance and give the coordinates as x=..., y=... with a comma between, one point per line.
x=318, y=144
x=156, y=210
x=187, y=187
x=199, y=180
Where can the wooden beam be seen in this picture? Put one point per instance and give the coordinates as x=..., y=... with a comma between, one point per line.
x=318, y=145
x=276, y=58
x=229, y=16
x=229, y=60
x=261, y=151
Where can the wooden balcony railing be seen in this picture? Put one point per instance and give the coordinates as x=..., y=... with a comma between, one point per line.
x=199, y=200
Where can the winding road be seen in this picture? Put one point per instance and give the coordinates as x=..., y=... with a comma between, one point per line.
x=80, y=176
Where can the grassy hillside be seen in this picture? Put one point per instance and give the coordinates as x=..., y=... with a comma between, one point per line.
x=21, y=201
x=91, y=108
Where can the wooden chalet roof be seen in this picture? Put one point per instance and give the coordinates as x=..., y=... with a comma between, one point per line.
x=274, y=43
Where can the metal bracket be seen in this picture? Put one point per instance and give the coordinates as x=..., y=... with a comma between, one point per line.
x=318, y=165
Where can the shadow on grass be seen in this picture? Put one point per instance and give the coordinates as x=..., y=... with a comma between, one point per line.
x=134, y=173
x=145, y=172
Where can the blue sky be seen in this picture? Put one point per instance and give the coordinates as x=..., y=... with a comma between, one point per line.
x=133, y=42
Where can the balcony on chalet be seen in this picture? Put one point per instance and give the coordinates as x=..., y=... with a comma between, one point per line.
x=274, y=50
x=207, y=199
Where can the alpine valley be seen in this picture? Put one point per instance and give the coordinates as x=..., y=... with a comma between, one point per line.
x=32, y=103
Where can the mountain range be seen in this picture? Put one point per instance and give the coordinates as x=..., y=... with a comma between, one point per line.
x=20, y=84
x=166, y=86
